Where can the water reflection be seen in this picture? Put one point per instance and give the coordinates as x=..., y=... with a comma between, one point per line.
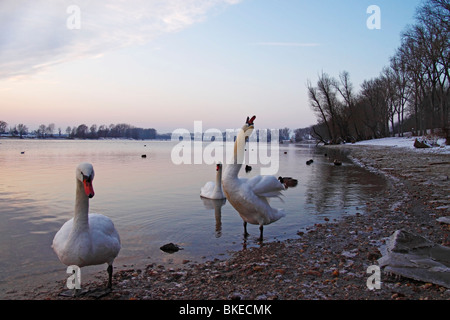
x=344, y=188
x=216, y=205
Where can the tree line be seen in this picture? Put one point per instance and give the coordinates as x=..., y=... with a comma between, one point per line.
x=121, y=130
x=412, y=93
x=82, y=131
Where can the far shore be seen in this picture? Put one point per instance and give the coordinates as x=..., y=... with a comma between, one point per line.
x=78, y=139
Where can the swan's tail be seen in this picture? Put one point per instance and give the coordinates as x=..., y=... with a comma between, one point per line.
x=277, y=214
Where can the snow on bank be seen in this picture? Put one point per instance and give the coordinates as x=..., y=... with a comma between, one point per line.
x=402, y=142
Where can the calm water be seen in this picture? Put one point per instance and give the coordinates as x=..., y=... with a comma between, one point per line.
x=152, y=202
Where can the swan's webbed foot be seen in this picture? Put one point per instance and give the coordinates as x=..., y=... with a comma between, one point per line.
x=73, y=293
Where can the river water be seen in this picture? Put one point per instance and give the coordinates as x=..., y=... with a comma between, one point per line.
x=152, y=201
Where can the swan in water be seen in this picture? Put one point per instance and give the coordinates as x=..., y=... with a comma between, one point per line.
x=87, y=239
x=213, y=190
x=250, y=197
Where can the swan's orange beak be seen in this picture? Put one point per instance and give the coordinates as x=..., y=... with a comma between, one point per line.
x=88, y=188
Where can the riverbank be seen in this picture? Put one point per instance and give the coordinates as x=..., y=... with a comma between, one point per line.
x=328, y=261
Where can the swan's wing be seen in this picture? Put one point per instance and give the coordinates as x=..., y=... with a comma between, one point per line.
x=61, y=237
x=266, y=186
x=208, y=188
x=105, y=237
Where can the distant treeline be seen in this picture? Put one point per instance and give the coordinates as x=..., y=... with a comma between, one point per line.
x=82, y=131
x=121, y=130
x=411, y=94
x=125, y=131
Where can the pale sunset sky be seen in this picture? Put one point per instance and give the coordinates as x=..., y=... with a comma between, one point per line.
x=164, y=64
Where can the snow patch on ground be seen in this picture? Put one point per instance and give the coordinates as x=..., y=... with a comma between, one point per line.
x=403, y=142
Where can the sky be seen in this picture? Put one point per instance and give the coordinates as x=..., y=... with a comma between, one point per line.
x=164, y=64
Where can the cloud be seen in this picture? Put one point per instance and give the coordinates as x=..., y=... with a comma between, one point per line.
x=35, y=35
x=286, y=44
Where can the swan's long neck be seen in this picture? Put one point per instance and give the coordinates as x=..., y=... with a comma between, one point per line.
x=239, y=151
x=81, y=219
x=218, y=185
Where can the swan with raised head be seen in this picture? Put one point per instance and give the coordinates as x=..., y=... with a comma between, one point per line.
x=88, y=238
x=250, y=197
x=213, y=190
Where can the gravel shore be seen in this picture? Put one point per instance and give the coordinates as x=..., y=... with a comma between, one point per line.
x=327, y=262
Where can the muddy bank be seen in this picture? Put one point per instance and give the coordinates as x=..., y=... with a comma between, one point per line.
x=328, y=261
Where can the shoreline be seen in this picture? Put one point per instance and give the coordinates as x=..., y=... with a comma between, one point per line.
x=327, y=262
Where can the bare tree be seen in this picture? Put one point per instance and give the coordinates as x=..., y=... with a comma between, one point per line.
x=316, y=105
x=103, y=131
x=81, y=131
x=402, y=92
x=345, y=88
x=50, y=129
x=93, y=131
x=41, y=131
x=284, y=133
x=373, y=98
x=431, y=36
x=301, y=134
x=327, y=92
x=415, y=72
x=22, y=129
x=3, y=126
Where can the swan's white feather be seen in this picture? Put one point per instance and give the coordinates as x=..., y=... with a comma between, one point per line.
x=266, y=186
x=207, y=189
x=97, y=245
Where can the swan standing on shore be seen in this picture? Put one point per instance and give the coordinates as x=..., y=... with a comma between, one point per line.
x=87, y=239
x=250, y=196
x=213, y=190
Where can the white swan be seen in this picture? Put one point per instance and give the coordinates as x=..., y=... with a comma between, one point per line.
x=87, y=239
x=250, y=196
x=213, y=190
